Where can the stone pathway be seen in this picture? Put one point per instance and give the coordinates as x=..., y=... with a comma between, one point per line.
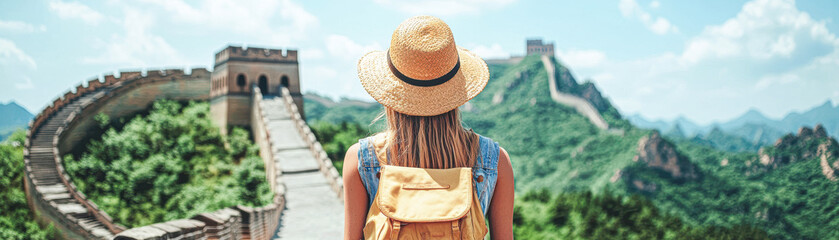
x=312, y=209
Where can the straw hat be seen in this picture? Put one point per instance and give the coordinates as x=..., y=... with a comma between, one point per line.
x=423, y=73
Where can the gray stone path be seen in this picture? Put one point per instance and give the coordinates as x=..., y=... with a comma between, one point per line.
x=312, y=209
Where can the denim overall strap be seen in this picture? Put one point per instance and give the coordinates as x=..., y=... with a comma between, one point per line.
x=485, y=172
x=368, y=167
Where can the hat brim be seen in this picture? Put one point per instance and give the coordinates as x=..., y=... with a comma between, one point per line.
x=377, y=79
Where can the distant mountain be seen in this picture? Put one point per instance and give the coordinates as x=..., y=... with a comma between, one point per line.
x=753, y=116
x=641, y=122
x=827, y=114
x=753, y=126
x=13, y=117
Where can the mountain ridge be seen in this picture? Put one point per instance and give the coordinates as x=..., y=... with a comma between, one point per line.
x=823, y=113
x=14, y=117
x=750, y=130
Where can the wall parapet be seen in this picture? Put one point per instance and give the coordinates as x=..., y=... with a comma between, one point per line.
x=326, y=168
x=233, y=53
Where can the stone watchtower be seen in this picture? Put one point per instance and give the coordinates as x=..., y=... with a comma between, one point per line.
x=536, y=46
x=237, y=70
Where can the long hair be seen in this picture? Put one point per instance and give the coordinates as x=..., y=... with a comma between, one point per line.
x=428, y=141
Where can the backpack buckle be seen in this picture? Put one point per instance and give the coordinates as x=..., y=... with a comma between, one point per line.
x=456, y=228
x=395, y=226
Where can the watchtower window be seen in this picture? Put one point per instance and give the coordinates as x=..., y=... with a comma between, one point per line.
x=284, y=81
x=263, y=84
x=240, y=80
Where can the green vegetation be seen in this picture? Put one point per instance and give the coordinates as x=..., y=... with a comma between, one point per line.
x=172, y=163
x=554, y=148
x=794, y=201
x=337, y=138
x=16, y=221
x=540, y=215
x=551, y=145
x=319, y=108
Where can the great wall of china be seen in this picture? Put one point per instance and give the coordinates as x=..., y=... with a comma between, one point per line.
x=307, y=188
x=584, y=107
x=303, y=180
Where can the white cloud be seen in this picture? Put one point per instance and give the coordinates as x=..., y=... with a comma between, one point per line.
x=658, y=25
x=15, y=65
x=770, y=56
x=310, y=54
x=342, y=47
x=324, y=73
x=655, y=4
x=22, y=27
x=769, y=81
x=763, y=29
x=336, y=73
x=494, y=51
x=25, y=84
x=444, y=7
x=137, y=46
x=582, y=58
x=259, y=19
x=75, y=10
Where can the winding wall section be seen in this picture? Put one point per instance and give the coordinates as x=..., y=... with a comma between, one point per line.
x=69, y=121
x=581, y=105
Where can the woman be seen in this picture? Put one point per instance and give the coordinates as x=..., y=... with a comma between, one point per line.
x=422, y=80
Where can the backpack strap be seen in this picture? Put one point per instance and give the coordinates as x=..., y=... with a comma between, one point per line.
x=485, y=173
x=368, y=167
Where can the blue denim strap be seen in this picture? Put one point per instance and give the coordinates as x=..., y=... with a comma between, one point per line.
x=368, y=167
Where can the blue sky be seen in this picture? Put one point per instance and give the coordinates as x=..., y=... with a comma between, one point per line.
x=705, y=60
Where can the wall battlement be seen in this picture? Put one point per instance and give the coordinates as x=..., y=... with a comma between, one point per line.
x=234, y=53
x=110, y=79
x=536, y=46
x=66, y=122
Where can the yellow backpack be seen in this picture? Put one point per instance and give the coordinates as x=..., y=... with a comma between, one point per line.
x=420, y=203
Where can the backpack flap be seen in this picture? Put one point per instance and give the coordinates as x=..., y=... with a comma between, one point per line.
x=424, y=195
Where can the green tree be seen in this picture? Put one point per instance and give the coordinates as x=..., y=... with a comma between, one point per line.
x=337, y=138
x=16, y=220
x=585, y=215
x=171, y=163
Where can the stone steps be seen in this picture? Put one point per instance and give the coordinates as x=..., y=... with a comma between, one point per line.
x=312, y=209
x=47, y=179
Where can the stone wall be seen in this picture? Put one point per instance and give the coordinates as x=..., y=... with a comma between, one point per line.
x=64, y=124
x=50, y=192
x=260, y=134
x=136, y=96
x=329, y=171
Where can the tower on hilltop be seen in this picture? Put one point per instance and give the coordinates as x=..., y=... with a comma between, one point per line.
x=237, y=70
x=536, y=46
